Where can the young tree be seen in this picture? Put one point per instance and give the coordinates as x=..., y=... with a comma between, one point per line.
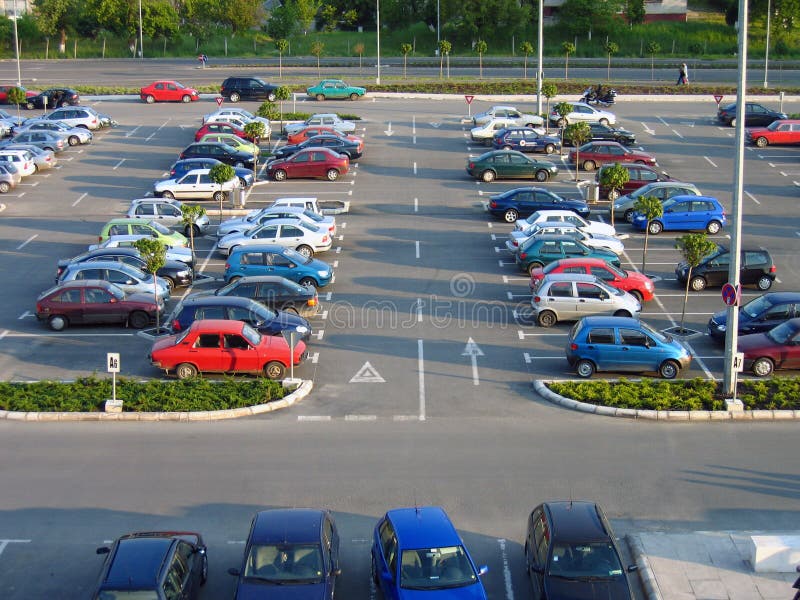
x=615, y=177
x=281, y=45
x=694, y=247
x=316, y=49
x=220, y=174
x=562, y=110
x=55, y=17
x=256, y=130
x=611, y=48
x=306, y=10
x=16, y=96
x=652, y=49
x=567, y=48
x=635, y=11
x=481, y=47
x=651, y=208
x=190, y=213
x=405, y=49
x=154, y=254
x=527, y=49
x=359, y=49
x=281, y=94
x=549, y=90
x=579, y=133
x=444, y=48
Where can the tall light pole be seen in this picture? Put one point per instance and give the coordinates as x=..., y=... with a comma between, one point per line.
x=378, y=28
x=540, y=72
x=766, y=50
x=438, y=22
x=16, y=46
x=141, y=39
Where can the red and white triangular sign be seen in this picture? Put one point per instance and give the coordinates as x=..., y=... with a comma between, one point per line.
x=469, y=99
x=718, y=98
x=219, y=100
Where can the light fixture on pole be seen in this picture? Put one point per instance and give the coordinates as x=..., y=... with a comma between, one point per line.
x=540, y=72
x=141, y=39
x=16, y=46
x=438, y=22
x=766, y=50
x=378, y=28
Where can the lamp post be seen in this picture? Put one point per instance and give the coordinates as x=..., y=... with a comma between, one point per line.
x=16, y=46
x=378, y=28
x=540, y=72
x=141, y=39
x=438, y=22
x=766, y=50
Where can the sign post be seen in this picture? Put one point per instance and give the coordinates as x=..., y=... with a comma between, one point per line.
x=291, y=336
x=718, y=99
x=112, y=366
x=469, y=100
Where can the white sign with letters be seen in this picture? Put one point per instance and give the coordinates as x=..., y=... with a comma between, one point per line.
x=112, y=362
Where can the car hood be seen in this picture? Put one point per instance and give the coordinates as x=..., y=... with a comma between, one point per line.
x=165, y=342
x=562, y=589
x=753, y=342
x=289, y=320
x=471, y=592
x=258, y=591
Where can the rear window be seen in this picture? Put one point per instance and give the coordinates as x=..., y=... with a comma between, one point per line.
x=601, y=335
x=755, y=258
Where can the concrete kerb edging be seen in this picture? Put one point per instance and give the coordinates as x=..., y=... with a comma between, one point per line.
x=210, y=415
x=540, y=386
x=646, y=575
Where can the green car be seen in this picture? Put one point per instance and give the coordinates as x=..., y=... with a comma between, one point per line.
x=126, y=226
x=538, y=251
x=510, y=164
x=232, y=140
x=335, y=89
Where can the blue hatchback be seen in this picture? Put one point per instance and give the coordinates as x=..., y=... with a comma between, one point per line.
x=271, y=259
x=417, y=554
x=525, y=139
x=685, y=213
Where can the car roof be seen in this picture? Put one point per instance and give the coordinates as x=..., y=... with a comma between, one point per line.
x=137, y=562
x=127, y=220
x=556, y=237
x=580, y=277
x=79, y=283
x=172, y=201
x=220, y=325
x=102, y=264
x=692, y=197
x=274, y=248
x=127, y=250
x=610, y=321
x=578, y=260
x=779, y=297
x=291, y=525
x=423, y=526
x=236, y=301
x=269, y=279
x=558, y=224
x=576, y=521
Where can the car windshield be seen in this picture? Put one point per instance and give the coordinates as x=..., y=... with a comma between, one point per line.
x=251, y=335
x=618, y=272
x=127, y=595
x=261, y=314
x=159, y=228
x=783, y=333
x=590, y=559
x=285, y=563
x=656, y=334
x=774, y=125
x=296, y=257
x=436, y=568
x=755, y=307
x=313, y=216
x=116, y=291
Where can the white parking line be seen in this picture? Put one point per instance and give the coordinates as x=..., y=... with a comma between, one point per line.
x=415, y=168
x=506, y=570
x=313, y=417
x=416, y=204
x=28, y=241
x=360, y=417
x=753, y=198
x=421, y=368
x=711, y=162
x=416, y=249
x=119, y=164
x=81, y=197
x=678, y=134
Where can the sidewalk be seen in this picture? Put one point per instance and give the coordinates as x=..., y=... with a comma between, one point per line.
x=704, y=565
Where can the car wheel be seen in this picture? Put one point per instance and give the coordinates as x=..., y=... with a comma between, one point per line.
x=4, y=187
x=235, y=97
x=613, y=194
x=488, y=176
x=629, y=215
x=585, y=368
x=603, y=121
x=167, y=194
x=274, y=370
x=622, y=313
x=733, y=122
x=549, y=148
x=271, y=97
x=290, y=309
x=82, y=126
x=204, y=570
x=510, y=216
x=150, y=99
x=306, y=251
x=243, y=182
x=533, y=266
x=29, y=106
x=763, y=367
x=761, y=142
x=547, y=318
x=332, y=174
x=185, y=371
x=279, y=175
x=589, y=165
x=186, y=98
x=669, y=369
x=192, y=230
x=238, y=164
x=506, y=147
x=220, y=196
x=170, y=283
x=320, y=97
x=764, y=283
x=655, y=227
x=73, y=140
x=231, y=249
x=562, y=122
x=354, y=97
x=698, y=283
x=308, y=282
x=234, y=278
x=58, y=322
x=138, y=319
x=713, y=227
x=542, y=175
x=637, y=294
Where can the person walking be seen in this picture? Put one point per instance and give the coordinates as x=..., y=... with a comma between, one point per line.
x=683, y=75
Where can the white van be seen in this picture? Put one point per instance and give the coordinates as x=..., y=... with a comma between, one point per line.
x=22, y=159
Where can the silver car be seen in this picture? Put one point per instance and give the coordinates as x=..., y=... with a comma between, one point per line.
x=594, y=240
x=570, y=296
x=130, y=279
x=47, y=140
x=7, y=180
x=259, y=217
x=663, y=190
x=516, y=117
x=583, y=112
x=74, y=135
x=180, y=253
x=327, y=119
x=77, y=116
x=11, y=171
x=301, y=236
x=42, y=159
x=167, y=212
x=195, y=185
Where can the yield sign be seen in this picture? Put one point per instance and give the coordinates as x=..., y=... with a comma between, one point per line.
x=219, y=100
x=469, y=99
x=718, y=98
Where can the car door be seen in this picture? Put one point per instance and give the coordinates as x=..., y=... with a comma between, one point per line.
x=268, y=234
x=299, y=165
x=549, y=251
x=238, y=355
x=290, y=236
x=602, y=349
x=99, y=306
x=206, y=353
x=572, y=249
x=781, y=134
x=194, y=572
x=145, y=210
x=538, y=551
x=520, y=167
x=791, y=353
x=558, y=296
x=122, y=279
x=386, y=560
x=280, y=265
x=70, y=304
x=614, y=153
x=169, y=215
x=638, y=351
x=679, y=216
x=330, y=551
x=592, y=300
x=716, y=271
x=753, y=265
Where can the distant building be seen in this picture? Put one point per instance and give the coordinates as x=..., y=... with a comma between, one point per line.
x=22, y=6
x=655, y=10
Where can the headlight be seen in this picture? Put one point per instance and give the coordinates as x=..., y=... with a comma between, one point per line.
x=323, y=273
x=721, y=327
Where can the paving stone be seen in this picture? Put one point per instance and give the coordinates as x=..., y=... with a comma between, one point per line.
x=709, y=589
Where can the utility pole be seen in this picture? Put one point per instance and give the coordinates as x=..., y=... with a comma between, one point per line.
x=540, y=72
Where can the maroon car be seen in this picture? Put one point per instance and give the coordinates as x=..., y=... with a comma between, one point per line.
x=638, y=176
x=310, y=162
x=220, y=127
x=94, y=302
x=594, y=154
x=778, y=348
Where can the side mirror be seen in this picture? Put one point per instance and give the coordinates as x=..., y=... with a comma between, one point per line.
x=632, y=568
x=336, y=572
x=483, y=570
x=103, y=550
x=233, y=571
x=200, y=550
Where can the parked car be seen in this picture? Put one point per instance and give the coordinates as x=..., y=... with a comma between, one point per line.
x=261, y=216
x=162, y=565
x=314, y=130
x=293, y=550
x=757, y=316
x=43, y=160
x=311, y=162
x=46, y=140
x=780, y=132
x=232, y=140
x=129, y=279
x=685, y=213
x=516, y=118
x=8, y=179
x=74, y=135
x=638, y=176
x=21, y=159
x=637, y=285
x=570, y=296
x=95, y=302
x=271, y=259
x=167, y=212
x=184, y=165
x=332, y=142
x=605, y=133
x=174, y=272
x=521, y=202
x=335, y=89
x=663, y=190
x=565, y=216
x=510, y=164
x=237, y=111
x=77, y=116
x=168, y=91
x=304, y=237
x=220, y=127
x=277, y=293
x=4, y=93
x=54, y=98
x=221, y=152
x=485, y=132
x=199, y=349
x=247, y=88
x=583, y=112
x=541, y=250
x=623, y=344
x=8, y=168
x=326, y=119
x=417, y=553
x=517, y=238
x=571, y=552
x=757, y=268
x=593, y=154
x=778, y=348
x=755, y=115
x=237, y=121
x=128, y=226
x=176, y=253
x=525, y=139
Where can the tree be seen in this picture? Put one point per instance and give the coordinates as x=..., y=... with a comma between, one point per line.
x=329, y=17
x=256, y=130
x=281, y=45
x=635, y=11
x=190, y=213
x=306, y=10
x=405, y=49
x=526, y=48
x=694, y=247
x=652, y=49
x=651, y=208
x=16, y=96
x=282, y=21
x=579, y=17
x=154, y=255
x=220, y=174
x=480, y=48
x=549, y=90
x=579, y=133
x=611, y=48
x=359, y=49
x=281, y=94
x=444, y=48
x=562, y=110
x=316, y=49
x=55, y=17
x=614, y=177
x=567, y=48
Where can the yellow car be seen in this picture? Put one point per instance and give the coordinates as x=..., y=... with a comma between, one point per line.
x=232, y=140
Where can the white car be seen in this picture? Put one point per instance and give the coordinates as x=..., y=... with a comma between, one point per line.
x=593, y=227
x=583, y=112
x=180, y=253
x=238, y=113
x=22, y=159
x=517, y=237
x=518, y=118
x=259, y=217
x=327, y=119
x=485, y=132
x=305, y=238
x=195, y=185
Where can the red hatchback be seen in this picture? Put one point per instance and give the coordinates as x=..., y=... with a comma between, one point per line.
x=220, y=128
x=594, y=154
x=784, y=131
x=632, y=282
x=310, y=162
x=4, y=93
x=313, y=130
x=168, y=91
x=217, y=346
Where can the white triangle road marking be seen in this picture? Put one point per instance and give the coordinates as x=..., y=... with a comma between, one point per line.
x=367, y=374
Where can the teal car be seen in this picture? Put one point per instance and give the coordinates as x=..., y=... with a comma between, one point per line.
x=540, y=250
x=335, y=89
x=510, y=164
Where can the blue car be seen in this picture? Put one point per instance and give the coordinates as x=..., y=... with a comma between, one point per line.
x=417, y=554
x=271, y=259
x=685, y=213
x=290, y=553
x=623, y=344
x=524, y=201
x=525, y=139
x=183, y=166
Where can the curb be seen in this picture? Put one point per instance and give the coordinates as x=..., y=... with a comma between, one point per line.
x=646, y=575
x=208, y=415
x=540, y=386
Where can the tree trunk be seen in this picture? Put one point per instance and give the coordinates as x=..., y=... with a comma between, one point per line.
x=525, y=68
x=566, y=68
x=62, y=43
x=646, y=238
x=686, y=296
x=280, y=65
x=155, y=297
x=577, y=160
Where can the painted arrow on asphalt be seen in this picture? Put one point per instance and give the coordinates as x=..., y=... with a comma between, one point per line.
x=473, y=351
x=389, y=131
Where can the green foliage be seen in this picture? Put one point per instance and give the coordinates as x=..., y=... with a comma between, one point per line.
x=615, y=177
x=696, y=49
x=282, y=45
x=445, y=47
x=649, y=206
x=16, y=96
x=579, y=133
x=578, y=17
x=317, y=48
x=282, y=22
x=694, y=247
x=526, y=48
x=635, y=11
x=256, y=130
x=563, y=108
x=154, y=253
x=221, y=173
x=306, y=10
x=567, y=48
x=652, y=48
x=481, y=47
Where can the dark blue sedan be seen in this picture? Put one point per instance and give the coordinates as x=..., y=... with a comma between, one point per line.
x=525, y=139
x=523, y=202
x=183, y=166
x=290, y=553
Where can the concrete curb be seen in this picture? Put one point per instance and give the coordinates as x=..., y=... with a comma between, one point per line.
x=210, y=415
x=646, y=575
x=540, y=386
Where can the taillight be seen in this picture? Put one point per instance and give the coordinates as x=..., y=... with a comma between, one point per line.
x=324, y=238
x=573, y=346
x=227, y=266
x=493, y=204
x=38, y=308
x=331, y=228
x=471, y=165
x=176, y=325
x=772, y=269
x=537, y=299
x=312, y=301
x=514, y=243
x=523, y=255
x=100, y=239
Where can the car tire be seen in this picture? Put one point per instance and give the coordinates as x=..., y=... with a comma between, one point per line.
x=274, y=370
x=29, y=106
x=373, y=571
x=82, y=126
x=713, y=227
x=763, y=367
x=628, y=215
x=238, y=164
x=320, y=97
x=549, y=148
x=58, y=322
x=655, y=227
x=603, y=121
x=234, y=278
x=219, y=196
x=764, y=283
x=698, y=283
x=733, y=122
x=585, y=368
x=186, y=98
x=170, y=283
x=234, y=97
x=73, y=140
x=589, y=165
x=279, y=175
x=761, y=141
x=669, y=369
x=637, y=294
x=562, y=122
x=547, y=318
x=308, y=282
x=204, y=569
x=191, y=230
x=354, y=97
x=167, y=194
x=488, y=176
x=4, y=187
x=186, y=371
x=613, y=195
x=332, y=175
x=138, y=319
x=242, y=182
x=150, y=99
x=542, y=175
x=272, y=97
x=305, y=250
x=533, y=266
x=511, y=215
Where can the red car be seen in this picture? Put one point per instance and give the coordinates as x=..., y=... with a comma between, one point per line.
x=94, y=302
x=310, y=162
x=221, y=346
x=778, y=348
x=632, y=282
x=4, y=93
x=220, y=128
x=313, y=130
x=594, y=154
x=784, y=131
x=168, y=91
x=638, y=176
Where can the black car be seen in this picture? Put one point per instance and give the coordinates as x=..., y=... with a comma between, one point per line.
x=756, y=268
x=523, y=202
x=759, y=315
x=158, y=564
x=334, y=142
x=608, y=133
x=54, y=98
x=175, y=272
x=195, y=307
x=182, y=167
x=247, y=88
x=754, y=115
x=570, y=552
x=222, y=152
x=277, y=293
